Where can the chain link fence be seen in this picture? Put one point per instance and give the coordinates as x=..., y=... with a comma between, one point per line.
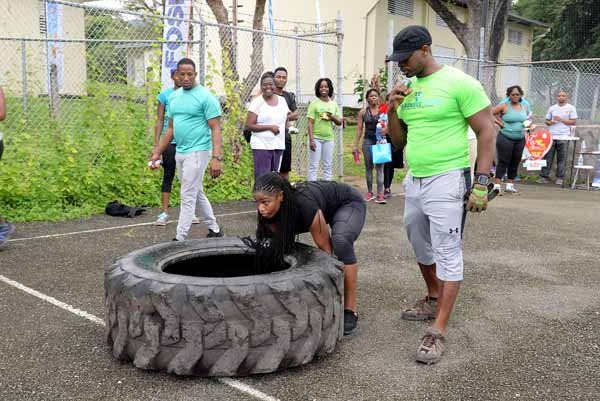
x=541, y=81
x=61, y=60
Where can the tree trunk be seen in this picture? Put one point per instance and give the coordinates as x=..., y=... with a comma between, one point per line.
x=468, y=33
x=256, y=58
x=226, y=39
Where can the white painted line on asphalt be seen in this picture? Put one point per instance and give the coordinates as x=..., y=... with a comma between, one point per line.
x=96, y=230
x=238, y=385
x=52, y=301
x=247, y=389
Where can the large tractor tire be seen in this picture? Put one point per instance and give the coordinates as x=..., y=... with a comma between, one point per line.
x=195, y=308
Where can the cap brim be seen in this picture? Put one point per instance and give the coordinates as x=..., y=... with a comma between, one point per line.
x=400, y=56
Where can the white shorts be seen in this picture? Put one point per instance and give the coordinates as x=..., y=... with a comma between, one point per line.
x=434, y=215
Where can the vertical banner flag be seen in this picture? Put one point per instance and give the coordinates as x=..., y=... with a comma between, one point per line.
x=54, y=29
x=321, y=62
x=175, y=32
x=272, y=30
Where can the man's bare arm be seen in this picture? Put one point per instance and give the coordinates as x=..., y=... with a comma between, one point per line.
x=483, y=126
x=217, y=146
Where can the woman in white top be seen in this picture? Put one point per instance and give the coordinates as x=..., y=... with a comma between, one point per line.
x=267, y=115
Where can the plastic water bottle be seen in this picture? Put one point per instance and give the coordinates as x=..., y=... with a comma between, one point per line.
x=583, y=146
x=580, y=160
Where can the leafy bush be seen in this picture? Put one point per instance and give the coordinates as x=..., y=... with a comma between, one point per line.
x=98, y=152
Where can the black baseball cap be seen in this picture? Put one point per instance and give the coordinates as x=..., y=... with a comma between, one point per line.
x=408, y=40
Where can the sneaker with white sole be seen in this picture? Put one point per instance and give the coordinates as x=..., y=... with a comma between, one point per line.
x=162, y=219
x=431, y=349
x=350, y=322
x=559, y=181
x=510, y=189
x=6, y=230
x=212, y=234
x=423, y=309
x=196, y=220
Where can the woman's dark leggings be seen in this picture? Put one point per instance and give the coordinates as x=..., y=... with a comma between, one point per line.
x=509, y=153
x=168, y=163
x=346, y=225
x=388, y=175
x=369, y=166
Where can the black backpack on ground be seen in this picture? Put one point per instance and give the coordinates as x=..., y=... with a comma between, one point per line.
x=116, y=208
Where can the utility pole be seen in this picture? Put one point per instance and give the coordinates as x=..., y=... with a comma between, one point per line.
x=482, y=33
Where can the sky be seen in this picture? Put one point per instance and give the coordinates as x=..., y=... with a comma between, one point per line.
x=106, y=3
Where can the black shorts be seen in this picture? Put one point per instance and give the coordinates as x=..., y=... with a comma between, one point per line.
x=286, y=159
x=346, y=225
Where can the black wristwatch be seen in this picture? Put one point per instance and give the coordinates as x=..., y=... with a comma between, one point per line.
x=219, y=158
x=482, y=179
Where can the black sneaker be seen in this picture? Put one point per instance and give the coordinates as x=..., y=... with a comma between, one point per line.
x=350, y=322
x=212, y=234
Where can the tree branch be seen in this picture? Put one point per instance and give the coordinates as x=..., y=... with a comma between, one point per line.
x=459, y=28
x=256, y=58
x=498, y=25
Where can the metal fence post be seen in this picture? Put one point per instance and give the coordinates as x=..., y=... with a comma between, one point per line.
x=202, y=55
x=54, y=94
x=340, y=97
x=297, y=45
x=576, y=90
x=391, y=77
x=24, y=75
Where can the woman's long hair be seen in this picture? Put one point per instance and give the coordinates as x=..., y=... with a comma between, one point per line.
x=271, y=247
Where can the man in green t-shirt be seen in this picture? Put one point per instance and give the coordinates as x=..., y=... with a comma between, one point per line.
x=431, y=116
x=195, y=123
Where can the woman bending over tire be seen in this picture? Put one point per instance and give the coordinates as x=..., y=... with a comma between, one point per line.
x=315, y=206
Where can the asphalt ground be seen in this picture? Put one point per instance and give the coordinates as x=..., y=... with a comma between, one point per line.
x=525, y=325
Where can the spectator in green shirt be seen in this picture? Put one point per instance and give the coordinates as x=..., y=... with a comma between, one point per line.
x=322, y=112
x=431, y=116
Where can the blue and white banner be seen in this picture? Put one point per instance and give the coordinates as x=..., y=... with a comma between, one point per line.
x=272, y=30
x=54, y=29
x=175, y=32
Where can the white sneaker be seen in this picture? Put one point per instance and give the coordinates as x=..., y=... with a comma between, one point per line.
x=511, y=189
x=195, y=220
x=162, y=220
x=559, y=181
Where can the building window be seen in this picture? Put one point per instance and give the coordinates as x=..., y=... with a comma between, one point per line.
x=42, y=19
x=515, y=36
x=439, y=21
x=404, y=8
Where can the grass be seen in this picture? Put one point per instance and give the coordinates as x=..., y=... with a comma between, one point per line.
x=352, y=169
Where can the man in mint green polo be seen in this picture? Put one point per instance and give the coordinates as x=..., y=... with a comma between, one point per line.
x=194, y=122
x=431, y=117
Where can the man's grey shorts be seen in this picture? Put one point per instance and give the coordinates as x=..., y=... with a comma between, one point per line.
x=434, y=219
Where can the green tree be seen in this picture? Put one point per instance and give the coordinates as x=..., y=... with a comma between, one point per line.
x=574, y=32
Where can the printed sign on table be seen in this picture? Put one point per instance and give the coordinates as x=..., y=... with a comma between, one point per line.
x=537, y=144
